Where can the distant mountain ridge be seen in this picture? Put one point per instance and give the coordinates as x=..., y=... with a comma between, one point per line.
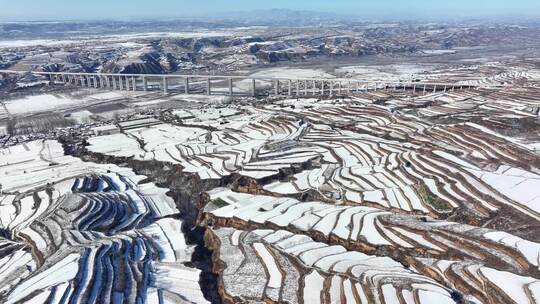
x=285, y=16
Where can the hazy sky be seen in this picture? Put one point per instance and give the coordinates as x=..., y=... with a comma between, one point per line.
x=126, y=9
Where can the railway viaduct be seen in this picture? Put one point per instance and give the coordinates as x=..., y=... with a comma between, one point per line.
x=251, y=86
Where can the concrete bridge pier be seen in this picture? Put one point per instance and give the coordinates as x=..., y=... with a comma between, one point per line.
x=305, y=87
x=290, y=88
x=276, y=87
x=165, y=85
x=330, y=88
x=208, y=86
x=145, y=83
x=186, y=85
x=134, y=82
x=424, y=93
x=314, y=88
x=231, y=87
x=297, y=87
x=253, y=87
x=339, y=88
x=445, y=89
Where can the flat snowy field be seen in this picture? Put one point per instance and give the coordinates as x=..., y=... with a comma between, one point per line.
x=385, y=72
x=55, y=102
x=40, y=103
x=285, y=72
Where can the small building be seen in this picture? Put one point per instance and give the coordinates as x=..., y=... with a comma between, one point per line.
x=138, y=123
x=106, y=130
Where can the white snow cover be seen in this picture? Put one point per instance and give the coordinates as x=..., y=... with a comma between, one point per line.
x=312, y=290
x=28, y=168
x=275, y=275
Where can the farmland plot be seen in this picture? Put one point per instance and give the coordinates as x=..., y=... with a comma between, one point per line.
x=83, y=232
x=374, y=198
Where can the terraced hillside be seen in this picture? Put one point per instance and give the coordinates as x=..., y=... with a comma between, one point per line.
x=75, y=232
x=379, y=197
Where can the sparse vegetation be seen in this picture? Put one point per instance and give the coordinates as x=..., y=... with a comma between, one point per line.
x=432, y=200
x=218, y=202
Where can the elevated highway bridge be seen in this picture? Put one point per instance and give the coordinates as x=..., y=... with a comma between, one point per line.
x=239, y=85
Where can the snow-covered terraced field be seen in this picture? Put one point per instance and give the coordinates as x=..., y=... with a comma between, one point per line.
x=280, y=266
x=374, y=231
x=76, y=232
x=381, y=159
x=380, y=197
